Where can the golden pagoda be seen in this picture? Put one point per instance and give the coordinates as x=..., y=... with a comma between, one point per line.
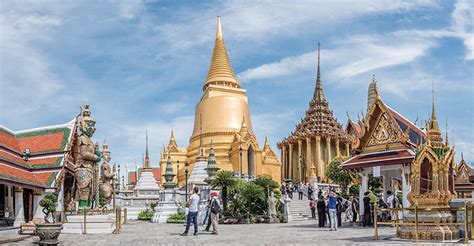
x=222, y=116
x=432, y=186
x=317, y=139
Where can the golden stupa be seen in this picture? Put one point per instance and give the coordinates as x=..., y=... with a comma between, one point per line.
x=222, y=117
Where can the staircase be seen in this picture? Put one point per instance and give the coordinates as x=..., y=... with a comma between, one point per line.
x=299, y=209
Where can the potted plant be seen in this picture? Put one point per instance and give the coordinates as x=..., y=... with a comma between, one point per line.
x=49, y=231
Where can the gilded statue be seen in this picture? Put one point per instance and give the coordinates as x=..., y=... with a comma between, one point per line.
x=106, y=175
x=88, y=155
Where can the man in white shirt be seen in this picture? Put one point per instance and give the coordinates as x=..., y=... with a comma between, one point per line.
x=392, y=202
x=193, y=212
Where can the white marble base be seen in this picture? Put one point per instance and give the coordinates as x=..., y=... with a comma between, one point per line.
x=96, y=224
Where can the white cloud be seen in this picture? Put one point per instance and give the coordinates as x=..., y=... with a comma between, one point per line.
x=360, y=54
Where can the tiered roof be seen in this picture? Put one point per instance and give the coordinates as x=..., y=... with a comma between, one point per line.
x=48, y=148
x=319, y=119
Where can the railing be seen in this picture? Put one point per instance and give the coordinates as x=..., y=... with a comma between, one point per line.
x=119, y=220
x=399, y=222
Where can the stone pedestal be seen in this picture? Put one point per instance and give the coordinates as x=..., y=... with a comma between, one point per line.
x=95, y=224
x=286, y=206
x=435, y=232
x=168, y=205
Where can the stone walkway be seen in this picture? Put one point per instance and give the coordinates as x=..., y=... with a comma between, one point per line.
x=297, y=233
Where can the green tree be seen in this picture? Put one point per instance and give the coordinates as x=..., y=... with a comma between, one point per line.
x=267, y=184
x=375, y=182
x=254, y=197
x=224, y=180
x=338, y=175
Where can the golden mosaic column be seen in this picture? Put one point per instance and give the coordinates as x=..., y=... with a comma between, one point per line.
x=310, y=172
x=348, y=150
x=299, y=167
x=290, y=162
x=319, y=163
x=328, y=144
x=338, y=152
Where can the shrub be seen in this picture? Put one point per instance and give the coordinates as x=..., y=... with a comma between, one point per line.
x=145, y=214
x=177, y=218
x=49, y=203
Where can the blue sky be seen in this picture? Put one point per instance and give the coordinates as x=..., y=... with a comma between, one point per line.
x=141, y=64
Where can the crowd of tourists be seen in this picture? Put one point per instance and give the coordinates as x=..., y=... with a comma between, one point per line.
x=330, y=208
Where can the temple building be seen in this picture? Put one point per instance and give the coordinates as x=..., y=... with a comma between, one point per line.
x=222, y=116
x=316, y=141
x=464, y=181
x=33, y=162
x=133, y=177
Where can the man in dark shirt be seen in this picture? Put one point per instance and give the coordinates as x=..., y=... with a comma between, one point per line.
x=366, y=201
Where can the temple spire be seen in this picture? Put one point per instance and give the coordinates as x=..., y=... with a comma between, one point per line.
x=373, y=93
x=220, y=71
x=147, y=156
x=318, y=92
x=446, y=139
x=434, y=133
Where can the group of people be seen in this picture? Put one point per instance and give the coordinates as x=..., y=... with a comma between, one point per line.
x=212, y=212
x=391, y=202
x=287, y=190
x=330, y=208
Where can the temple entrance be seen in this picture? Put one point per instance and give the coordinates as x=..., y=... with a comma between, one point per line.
x=28, y=204
x=3, y=195
x=426, y=177
x=251, y=164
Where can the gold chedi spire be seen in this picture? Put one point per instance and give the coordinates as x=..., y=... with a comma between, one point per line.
x=220, y=71
x=373, y=93
x=434, y=133
x=318, y=92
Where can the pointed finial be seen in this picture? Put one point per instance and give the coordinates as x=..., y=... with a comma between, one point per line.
x=266, y=140
x=432, y=100
x=462, y=156
x=244, y=124
x=319, y=62
x=446, y=140
x=219, y=28
x=172, y=134
x=318, y=94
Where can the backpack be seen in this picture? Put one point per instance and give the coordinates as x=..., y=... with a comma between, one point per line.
x=215, y=207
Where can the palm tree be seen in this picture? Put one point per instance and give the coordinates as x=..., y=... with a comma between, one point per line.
x=223, y=180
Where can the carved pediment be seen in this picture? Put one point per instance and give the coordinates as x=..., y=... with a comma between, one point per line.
x=385, y=132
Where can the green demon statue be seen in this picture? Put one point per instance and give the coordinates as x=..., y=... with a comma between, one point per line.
x=88, y=156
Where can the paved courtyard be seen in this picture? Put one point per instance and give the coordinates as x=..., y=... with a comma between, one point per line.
x=298, y=233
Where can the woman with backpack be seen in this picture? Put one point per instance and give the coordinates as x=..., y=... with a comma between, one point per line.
x=215, y=211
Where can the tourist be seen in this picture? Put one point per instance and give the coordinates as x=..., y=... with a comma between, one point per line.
x=320, y=192
x=312, y=206
x=283, y=190
x=321, y=206
x=290, y=190
x=215, y=211
x=332, y=206
x=355, y=209
x=339, y=209
x=193, y=212
x=393, y=203
x=366, y=201
x=208, y=215
x=300, y=191
x=310, y=191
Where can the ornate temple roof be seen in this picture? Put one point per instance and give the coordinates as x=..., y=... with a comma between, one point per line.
x=319, y=119
x=48, y=148
x=220, y=71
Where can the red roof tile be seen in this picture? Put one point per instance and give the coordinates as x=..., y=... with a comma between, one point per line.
x=43, y=179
